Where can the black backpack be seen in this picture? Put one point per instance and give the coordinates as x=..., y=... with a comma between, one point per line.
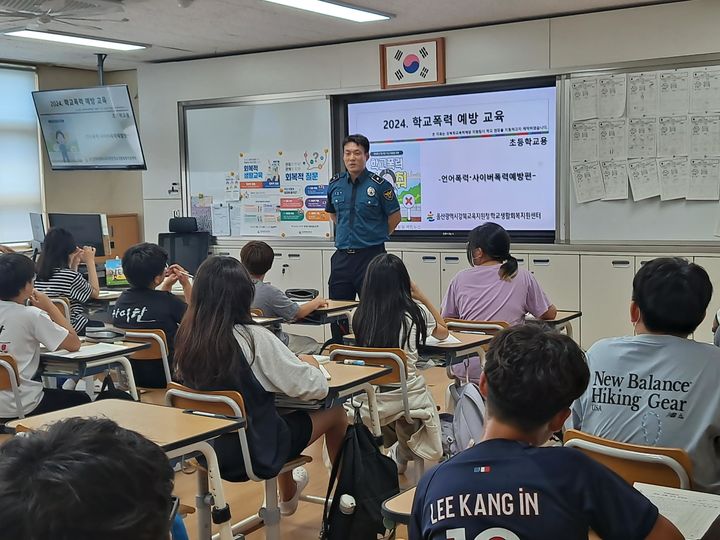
x=363, y=472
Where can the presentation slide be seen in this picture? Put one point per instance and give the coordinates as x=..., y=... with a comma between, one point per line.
x=458, y=161
x=89, y=128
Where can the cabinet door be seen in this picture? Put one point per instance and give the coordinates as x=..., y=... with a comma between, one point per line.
x=451, y=263
x=559, y=277
x=606, y=287
x=424, y=269
x=712, y=267
x=124, y=233
x=157, y=214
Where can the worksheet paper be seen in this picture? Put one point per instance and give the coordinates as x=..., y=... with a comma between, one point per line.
x=583, y=93
x=704, y=180
x=644, y=180
x=612, y=143
x=450, y=340
x=642, y=137
x=588, y=182
x=673, y=136
x=642, y=95
x=691, y=512
x=673, y=92
x=674, y=178
x=612, y=92
x=615, y=178
x=705, y=90
x=584, y=141
x=92, y=350
x=221, y=219
x=236, y=218
x=705, y=135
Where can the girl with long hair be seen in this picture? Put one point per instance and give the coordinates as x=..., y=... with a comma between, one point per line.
x=219, y=347
x=494, y=289
x=395, y=313
x=58, y=276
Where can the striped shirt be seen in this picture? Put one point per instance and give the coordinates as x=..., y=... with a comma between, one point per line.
x=71, y=285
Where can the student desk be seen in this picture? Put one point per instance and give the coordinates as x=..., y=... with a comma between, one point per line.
x=110, y=296
x=562, y=320
x=397, y=509
x=175, y=432
x=87, y=361
x=345, y=381
x=470, y=344
x=332, y=312
x=267, y=321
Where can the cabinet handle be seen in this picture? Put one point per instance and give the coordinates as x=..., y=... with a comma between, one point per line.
x=520, y=260
x=429, y=258
x=621, y=264
x=452, y=260
x=277, y=255
x=293, y=255
x=226, y=253
x=541, y=262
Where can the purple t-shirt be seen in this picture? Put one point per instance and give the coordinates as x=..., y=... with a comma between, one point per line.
x=478, y=293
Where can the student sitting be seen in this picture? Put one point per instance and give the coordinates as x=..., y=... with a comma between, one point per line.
x=658, y=387
x=84, y=479
x=507, y=486
x=149, y=304
x=258, y=259
x=22, y=330
x=57, y=274
x=219, y=347
x=493, y=289
x=395, y=313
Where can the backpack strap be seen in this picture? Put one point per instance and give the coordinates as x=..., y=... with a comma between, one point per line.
x=327, y=507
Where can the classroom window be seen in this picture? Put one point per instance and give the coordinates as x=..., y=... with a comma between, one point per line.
x=20, y=189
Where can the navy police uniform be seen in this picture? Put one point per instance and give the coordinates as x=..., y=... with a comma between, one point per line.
x=361, y=209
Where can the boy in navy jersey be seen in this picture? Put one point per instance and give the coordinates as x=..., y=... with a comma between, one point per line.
x=509, y=488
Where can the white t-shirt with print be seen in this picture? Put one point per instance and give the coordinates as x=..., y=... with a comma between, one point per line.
x=656, y=390
x=411, y=352
x=22, y=330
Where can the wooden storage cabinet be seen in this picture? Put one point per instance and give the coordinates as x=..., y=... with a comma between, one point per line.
x=559, y=276
x=123, y=232
x=605, y=290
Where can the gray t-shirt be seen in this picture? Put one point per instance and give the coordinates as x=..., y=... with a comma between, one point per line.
x=656, y=390
x=274, y=303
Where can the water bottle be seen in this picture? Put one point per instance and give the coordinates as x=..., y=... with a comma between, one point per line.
x=347, y=504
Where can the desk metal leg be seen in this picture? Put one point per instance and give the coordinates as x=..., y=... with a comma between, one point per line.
x=125, y=363
x=210, y=491
x=567, y=327
x=372, y=405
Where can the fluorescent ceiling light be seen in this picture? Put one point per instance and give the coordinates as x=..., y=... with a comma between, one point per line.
x=77, y=40
x=343, y=11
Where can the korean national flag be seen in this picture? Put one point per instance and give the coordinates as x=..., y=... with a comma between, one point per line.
x=411, y=64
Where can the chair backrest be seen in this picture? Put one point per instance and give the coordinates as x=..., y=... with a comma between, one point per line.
x=158, y=347
x=64, y=305
x=393, y=358
x=487, y=327
x=10, y=380
x=256, y=312
x=661, y=466
x=225, y=402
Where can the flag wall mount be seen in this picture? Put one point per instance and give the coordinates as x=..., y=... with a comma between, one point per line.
x=412, y=63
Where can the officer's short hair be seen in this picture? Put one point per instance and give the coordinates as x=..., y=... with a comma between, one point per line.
x=360, y=140
x=257, y=257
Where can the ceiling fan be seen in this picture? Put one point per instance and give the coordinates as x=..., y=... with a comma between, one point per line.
x=39, y=14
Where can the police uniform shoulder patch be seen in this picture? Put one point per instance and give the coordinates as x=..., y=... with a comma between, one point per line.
x=377, y=179
x=389, y=194
x=336, y=177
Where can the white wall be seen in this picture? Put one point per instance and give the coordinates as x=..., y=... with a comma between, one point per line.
x=582, y=40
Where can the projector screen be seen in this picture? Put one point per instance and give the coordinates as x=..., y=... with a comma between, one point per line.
x=89, y=128
x=457, y=161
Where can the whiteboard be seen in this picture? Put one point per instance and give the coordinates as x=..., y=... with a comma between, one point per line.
x=258, y=168
x=650, y=219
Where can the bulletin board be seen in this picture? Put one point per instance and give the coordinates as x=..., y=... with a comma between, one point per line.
x=257, y=168
x=644, y=154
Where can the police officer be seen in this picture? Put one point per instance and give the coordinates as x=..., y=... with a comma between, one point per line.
x=365, y=211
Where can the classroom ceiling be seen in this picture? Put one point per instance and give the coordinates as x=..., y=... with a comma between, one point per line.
x=207, y=28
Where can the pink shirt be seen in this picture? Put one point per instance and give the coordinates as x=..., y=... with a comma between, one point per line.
x=478, y=293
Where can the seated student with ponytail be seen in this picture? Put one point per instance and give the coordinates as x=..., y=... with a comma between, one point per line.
x=494, y=289
x=395, y=313
x=219, y=347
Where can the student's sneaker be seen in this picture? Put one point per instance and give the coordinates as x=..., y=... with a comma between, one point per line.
x=400, y=461
x=301, y=477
